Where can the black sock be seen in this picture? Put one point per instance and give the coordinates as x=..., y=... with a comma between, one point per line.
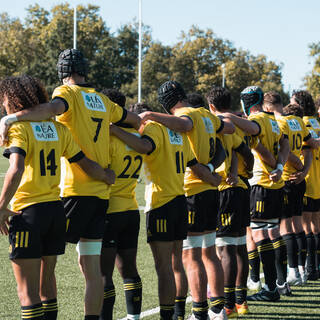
x=302, y=248
x=229, y=297
x=200, y=310
x=91, y=317
x=166, y=311
x=311, y=252
x=267, y=257
x=317, y=238
x=241, y=295
x=50, y=309
x=280, y=251
x=216, y=304
x=179, y=308
x=292, y=249
x=133, y=293
x=109, y=299
x=254, y=265
x=32, y=312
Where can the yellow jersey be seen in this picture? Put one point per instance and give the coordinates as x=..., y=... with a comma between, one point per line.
x=229, y=142
x=297, y=133
x=312, y=179
x=269, y=136
x=202, y=138
x=88, y=116
x=42, y=144
x=251, y=143
x=165, y=166
x=126, y=163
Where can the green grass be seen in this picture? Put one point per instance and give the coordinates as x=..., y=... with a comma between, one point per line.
x=305, y=304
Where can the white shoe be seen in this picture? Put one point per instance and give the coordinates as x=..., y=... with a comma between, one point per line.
x=294, y=278
x=252, y=285
x=218, y=316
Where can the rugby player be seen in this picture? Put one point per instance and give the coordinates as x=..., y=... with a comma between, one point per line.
x=37, y=236
x=87, y=114
x=120, y=239
x=266, y=198
x=199, y=254
x=311, y=217
x=167, y=215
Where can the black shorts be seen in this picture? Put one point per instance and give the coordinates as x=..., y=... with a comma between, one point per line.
x=293, y=199
x=233, y=213
x=202, y=211
x=266, y=203
x=122, y=230
x=311, y=205
x=169, y=222
x=85, y=217
x=39, y=231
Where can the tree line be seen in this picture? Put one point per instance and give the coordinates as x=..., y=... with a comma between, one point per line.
x=32, y=46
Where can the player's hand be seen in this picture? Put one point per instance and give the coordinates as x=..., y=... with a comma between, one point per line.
x=275, y=175
x=232, y=179
x=110, y=176
x=4, y=215
x=217, y=179
x=297, y=177
x=145, y=116
x=4, y=127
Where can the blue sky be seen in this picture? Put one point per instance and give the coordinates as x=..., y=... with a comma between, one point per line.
x=280, y=29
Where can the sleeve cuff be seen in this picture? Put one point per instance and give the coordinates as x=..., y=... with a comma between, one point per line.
x=307, y=137
x=7, y=152
x=242, y=145
x=124, y=115
x=255, y=135
x=221, y=126
x=285, y=136
x=80, y=155
x=64, y=101
x=152, y=142
x=306, y=147
x=192, y=162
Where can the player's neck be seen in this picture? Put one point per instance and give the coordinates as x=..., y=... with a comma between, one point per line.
x=75, y=79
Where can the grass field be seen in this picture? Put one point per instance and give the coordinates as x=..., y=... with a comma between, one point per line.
x=304, y=304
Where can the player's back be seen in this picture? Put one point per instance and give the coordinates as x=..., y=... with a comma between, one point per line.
x=88, y=117
x=42, y=144
x=165, y=166
x=126, y=163
x=202, y=138
x=269, y=136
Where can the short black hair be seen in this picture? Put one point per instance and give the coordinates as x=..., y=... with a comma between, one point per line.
x=139, y=107
x=219, y=97
x=304, y=99
x=293, y=109
x=272, y=97
x=195, y=100
x=115, y=96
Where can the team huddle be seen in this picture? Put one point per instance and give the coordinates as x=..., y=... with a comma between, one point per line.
x=223, y=194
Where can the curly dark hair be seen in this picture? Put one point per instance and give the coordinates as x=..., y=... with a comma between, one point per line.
x=219, y=97
x=115, y=96
x=22, y=92
x=195, y=100
x=304, y=99
x=293, y=109
x=139, y=107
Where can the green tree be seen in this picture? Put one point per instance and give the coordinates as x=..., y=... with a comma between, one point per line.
x=312, y=80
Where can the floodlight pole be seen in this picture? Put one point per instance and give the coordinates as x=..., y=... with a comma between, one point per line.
x=223, y=66
x=75, y=27
x=140, y=51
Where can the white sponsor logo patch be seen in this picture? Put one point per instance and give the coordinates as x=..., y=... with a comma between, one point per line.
x=44, y=131
x=314, y=123
x=208, y=124
x=175, y=138
x=294, y=125
x=274, y=126
x=93, y=101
